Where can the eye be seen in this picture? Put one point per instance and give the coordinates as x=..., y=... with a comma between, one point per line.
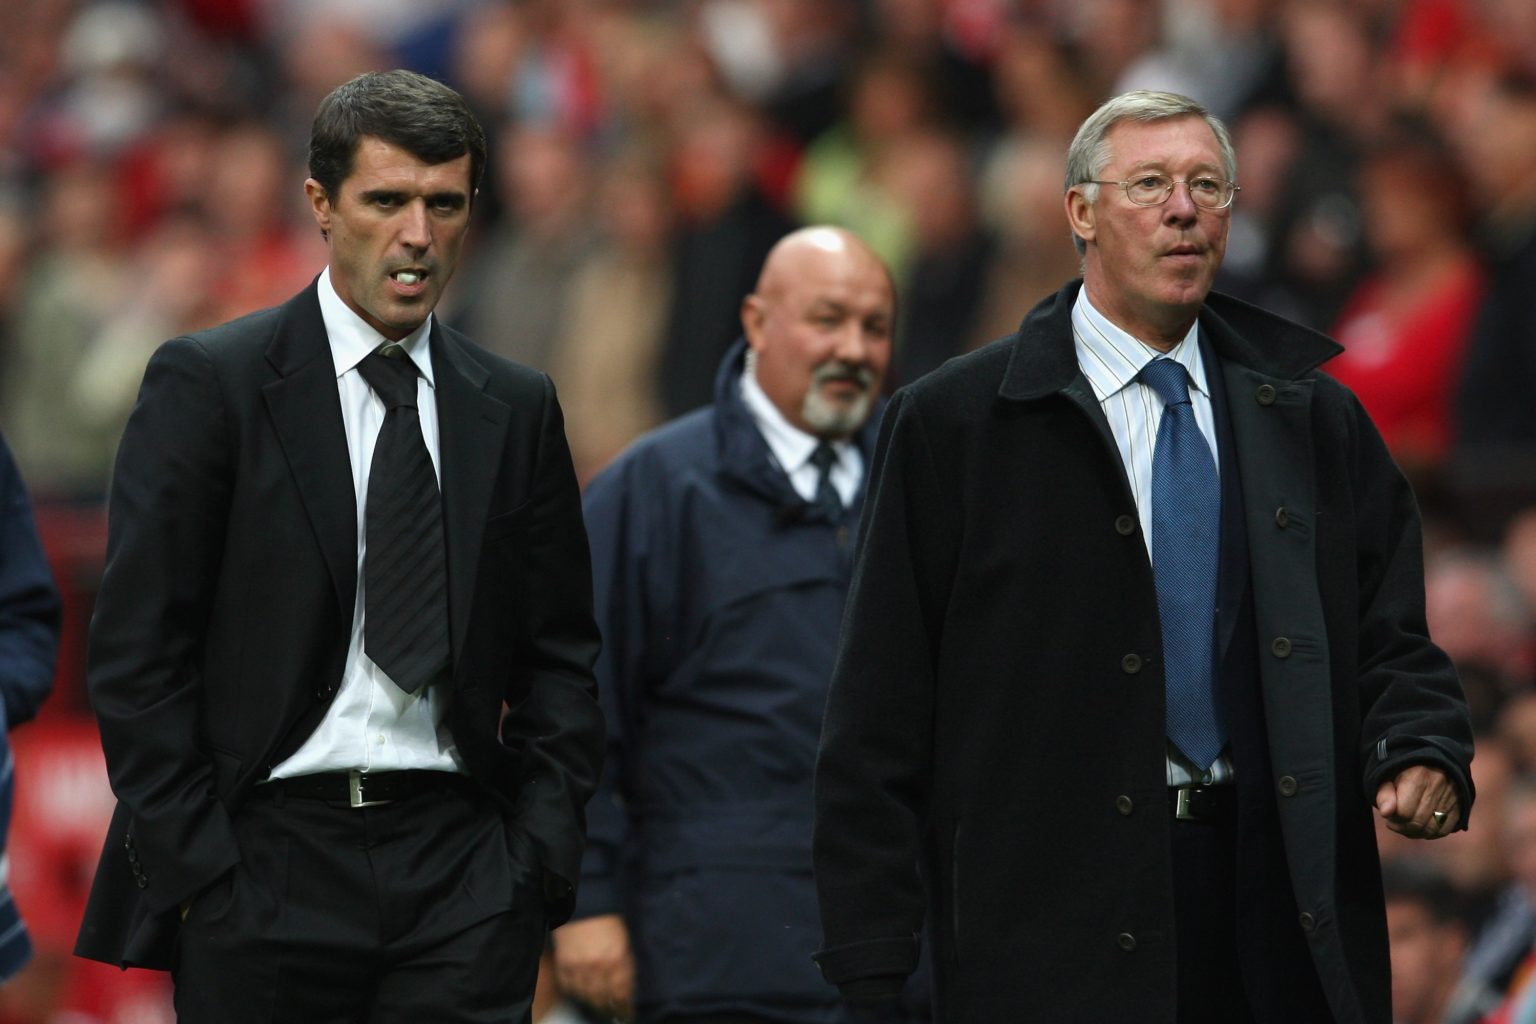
x=1210, y=185
x=1151, y=182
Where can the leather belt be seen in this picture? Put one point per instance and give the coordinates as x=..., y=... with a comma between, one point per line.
x=361, y=789
x=1212, y=804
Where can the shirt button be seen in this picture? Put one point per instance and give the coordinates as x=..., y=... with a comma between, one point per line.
x=1130, y=664
x=1281, y=647
x=1125, y=526
x=1124, y=804
x=1265, y=394
x=1288, y=786
x=381, y=741
x=1126, y=941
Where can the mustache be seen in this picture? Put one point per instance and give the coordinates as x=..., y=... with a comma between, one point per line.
x=837, y=369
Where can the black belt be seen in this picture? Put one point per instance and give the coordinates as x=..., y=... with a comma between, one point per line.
x=361, y=789
x=1213, y=804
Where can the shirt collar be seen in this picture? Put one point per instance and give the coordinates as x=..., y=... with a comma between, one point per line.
x=789, y=444
x=1110, y=358
x=353, y=339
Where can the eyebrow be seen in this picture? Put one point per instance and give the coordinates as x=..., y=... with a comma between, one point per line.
x=452, y=196
x=1162, y=167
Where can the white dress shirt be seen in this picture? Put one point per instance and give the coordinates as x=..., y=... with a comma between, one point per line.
x=792, y=447
x=1110, y=359
x=372, y=725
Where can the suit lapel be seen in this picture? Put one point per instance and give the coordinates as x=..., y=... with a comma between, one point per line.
x=305, y=407
x=472, y=429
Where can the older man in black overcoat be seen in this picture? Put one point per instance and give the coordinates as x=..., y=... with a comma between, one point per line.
x=1007, y=749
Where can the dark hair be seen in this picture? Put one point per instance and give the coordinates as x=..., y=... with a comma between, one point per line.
x=405, y=109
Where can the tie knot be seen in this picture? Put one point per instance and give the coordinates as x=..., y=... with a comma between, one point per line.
x=392, y=376
x=824, y=457
x=1169, y=379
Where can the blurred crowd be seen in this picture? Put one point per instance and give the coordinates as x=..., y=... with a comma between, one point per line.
x=647, y=153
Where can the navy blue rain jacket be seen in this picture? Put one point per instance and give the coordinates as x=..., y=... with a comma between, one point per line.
x=720, y=592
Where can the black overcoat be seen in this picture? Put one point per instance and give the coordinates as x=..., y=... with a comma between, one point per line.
x=994, y=751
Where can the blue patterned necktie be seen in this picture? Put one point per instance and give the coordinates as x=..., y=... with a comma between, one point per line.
x=1186, y=547
x=827, y=499
x=405, y=578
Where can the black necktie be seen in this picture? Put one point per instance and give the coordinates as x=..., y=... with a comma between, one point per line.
x=405, y=578
x=1186, y=549
x=827, y=499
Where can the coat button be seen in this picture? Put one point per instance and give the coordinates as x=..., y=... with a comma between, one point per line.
x=1126, y=941
x=1282, y=518
x=1281, y=647
x=1287, y=786
x=1307, y=921
x=1124, y=804
x=1265, y=395
x=1130, y=664
x=1125, y=525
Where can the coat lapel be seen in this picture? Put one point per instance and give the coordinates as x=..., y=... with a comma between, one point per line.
x=473, y=434
x=305, y=407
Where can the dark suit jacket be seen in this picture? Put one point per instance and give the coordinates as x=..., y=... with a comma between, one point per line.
x=993, y=753
x=222, y=623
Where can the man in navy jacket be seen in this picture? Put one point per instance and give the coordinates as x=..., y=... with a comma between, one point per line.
x=29, y=642
x=722, y=546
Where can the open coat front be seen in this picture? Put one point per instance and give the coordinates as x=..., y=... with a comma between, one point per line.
x=993, y=752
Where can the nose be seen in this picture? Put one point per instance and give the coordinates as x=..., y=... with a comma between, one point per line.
x=415, y=225
x=853, y=343
x=1180, y=206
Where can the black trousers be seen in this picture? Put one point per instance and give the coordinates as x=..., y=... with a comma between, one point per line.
x=422, y=909
x=1210, y=982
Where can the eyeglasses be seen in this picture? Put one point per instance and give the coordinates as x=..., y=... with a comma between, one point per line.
x=1154, y=190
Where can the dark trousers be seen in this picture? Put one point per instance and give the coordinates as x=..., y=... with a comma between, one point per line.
x=423, y=909
x=1210, y=983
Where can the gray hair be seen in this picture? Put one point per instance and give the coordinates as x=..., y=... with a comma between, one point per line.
x=1089, y=153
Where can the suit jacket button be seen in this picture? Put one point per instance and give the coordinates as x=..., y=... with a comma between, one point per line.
x=1125, y=525
x=1307, y=921
x=1288, y=786
x=1265, y=394
x=1130, y=664
x=1282, y=517
x=1124, y=804
x=1281, y=647
x=1126, y=941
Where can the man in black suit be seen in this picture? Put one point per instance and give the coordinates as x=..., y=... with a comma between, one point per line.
x=342, y=653
x=1135, y=649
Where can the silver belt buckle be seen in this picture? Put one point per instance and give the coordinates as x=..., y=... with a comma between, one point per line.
x=1181, y=809
x=355, y=791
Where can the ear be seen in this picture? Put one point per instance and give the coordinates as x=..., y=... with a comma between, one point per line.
x=1080, y=214
x=319, y=204
x=752, y=314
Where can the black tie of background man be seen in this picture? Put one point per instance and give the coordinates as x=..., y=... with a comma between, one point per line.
x=827, y=498
x=404, y=570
